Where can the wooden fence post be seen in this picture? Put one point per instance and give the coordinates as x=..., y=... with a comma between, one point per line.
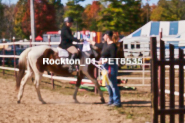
x=181, y=85
x=153, y=50
x=162, y=79
x=95, y=75
x=14, y=49
x=52, y=80
x=3, y=57
x=172, y=83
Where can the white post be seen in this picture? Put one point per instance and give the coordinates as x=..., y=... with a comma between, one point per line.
x=143, y=69
x=32, y=20
x=3, y=40
x=30, y=41
x=49, y=39
x=59, y=32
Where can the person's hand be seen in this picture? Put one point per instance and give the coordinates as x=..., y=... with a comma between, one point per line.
x=103, y=61
x=88, y=40
x=81, y=40
x=100, y=62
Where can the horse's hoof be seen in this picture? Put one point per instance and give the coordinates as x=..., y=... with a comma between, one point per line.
x=76, y=101
x=102, y=100
x=18, y=102
x=43, y=102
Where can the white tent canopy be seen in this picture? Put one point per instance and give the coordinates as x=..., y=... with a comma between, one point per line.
x=172, y=32
x=170, y=29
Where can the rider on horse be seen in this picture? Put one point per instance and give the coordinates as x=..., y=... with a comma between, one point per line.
x=67, y=39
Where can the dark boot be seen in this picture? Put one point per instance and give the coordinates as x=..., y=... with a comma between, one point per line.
x=73, y=66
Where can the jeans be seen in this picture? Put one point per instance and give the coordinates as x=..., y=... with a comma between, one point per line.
x=114, y=93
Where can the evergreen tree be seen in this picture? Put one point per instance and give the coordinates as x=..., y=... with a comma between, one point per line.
x=1, y=17
x=75, y=10
x=169, y=10
x=120, y=15
x=20, y=10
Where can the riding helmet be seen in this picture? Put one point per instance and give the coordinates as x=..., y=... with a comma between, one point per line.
x=109, y=33
x=69, y=20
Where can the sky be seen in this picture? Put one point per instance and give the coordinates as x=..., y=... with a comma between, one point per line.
x=85, y=2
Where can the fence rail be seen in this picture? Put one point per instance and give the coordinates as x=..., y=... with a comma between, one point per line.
x=143, y=71
x=158, y=83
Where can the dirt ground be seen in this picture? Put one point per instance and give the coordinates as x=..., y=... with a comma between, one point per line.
x=60, y=107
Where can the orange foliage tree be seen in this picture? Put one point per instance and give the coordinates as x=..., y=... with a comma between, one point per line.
x=90, y=15
x=44, y=18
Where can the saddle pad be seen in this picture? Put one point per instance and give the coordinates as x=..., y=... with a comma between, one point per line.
x=62, y=52
x=86, y=46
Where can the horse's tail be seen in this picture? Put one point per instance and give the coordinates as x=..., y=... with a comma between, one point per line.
x=22, y=66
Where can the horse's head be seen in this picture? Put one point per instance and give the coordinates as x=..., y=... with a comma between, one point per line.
x=96, y=52
x=120, y=53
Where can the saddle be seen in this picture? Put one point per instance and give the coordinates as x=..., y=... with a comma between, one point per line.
x=62, y=53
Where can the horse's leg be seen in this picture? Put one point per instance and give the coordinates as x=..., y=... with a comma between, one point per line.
x=38, y=75
x=36, y=83
x=23, y=82
x=93, y=79
x=78, y=83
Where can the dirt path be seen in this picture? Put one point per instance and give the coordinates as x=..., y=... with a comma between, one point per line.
x=61, y=109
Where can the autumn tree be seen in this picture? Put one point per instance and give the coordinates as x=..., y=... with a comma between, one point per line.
x=91, y=16
x=59, y=12
x=44, y=18
x=145, y=13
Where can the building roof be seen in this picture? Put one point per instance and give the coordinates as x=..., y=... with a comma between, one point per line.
x=170, y=29
x=53, y=32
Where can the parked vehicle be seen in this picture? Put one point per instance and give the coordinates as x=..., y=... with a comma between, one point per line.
x=10, y=61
